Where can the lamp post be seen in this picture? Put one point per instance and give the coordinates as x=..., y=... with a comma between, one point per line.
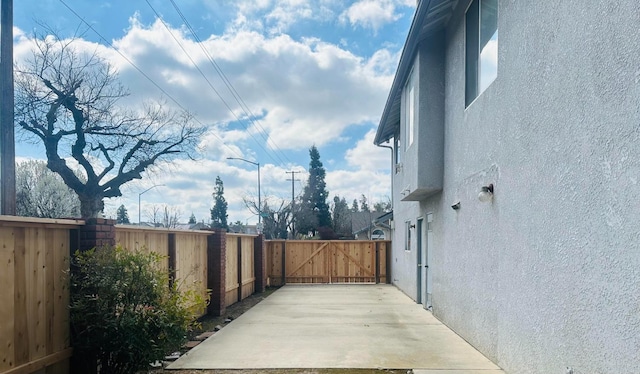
x=259, y=201
x=140, y=194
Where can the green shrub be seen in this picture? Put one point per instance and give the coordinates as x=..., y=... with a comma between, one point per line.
x=124, y=312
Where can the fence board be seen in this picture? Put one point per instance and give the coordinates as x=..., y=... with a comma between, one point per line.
x=248, y=275
x=146, y=240
x=191, y=260
x=274, y=250
x=20, y=333
x=34, y=314
x=7, y=306
x=308, y=261
x=231, y=288
x=36, y=285
x=315, y=261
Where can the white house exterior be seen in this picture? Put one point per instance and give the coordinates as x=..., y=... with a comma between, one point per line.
x=541, y=100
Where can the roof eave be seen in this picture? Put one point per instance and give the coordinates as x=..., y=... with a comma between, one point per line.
x=420, y=26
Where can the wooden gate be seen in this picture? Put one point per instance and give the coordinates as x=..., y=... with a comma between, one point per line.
x=339, y=261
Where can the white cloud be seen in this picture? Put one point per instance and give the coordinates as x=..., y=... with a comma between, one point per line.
x=298, y=86
x=367, y=156
x=349, y=184
x=279, y=16
x=305, y=92
x=371, y=14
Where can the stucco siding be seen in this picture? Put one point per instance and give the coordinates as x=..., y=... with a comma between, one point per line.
x=547, y=275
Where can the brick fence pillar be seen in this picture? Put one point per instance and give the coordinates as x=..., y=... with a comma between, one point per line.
x=260, y=263
x=97, y=232
x=217, y=271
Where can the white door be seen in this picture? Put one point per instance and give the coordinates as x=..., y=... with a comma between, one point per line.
x=420, y=261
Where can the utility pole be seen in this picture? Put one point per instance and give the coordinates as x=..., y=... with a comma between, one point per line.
x=293, y=198
x=7, y=139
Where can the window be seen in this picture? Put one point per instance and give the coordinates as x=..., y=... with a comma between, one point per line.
x=481, y=47
x=409, y=110
x=396, y=150
x=407, y=235
x=377, y=235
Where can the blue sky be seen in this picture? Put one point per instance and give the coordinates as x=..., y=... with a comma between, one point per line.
x=312, y=72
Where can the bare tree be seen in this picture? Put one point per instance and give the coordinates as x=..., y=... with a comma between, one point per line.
x=73, y=103
x=275, y=217
x=154, y=215
x=171, y=216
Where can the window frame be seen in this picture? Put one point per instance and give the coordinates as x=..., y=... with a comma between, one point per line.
x=410, y=109
x=473, y=28
x=407, y=235
x=397, y=154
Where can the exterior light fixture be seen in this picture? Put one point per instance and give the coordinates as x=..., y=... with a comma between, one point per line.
x=486, y=193
x=455, y=206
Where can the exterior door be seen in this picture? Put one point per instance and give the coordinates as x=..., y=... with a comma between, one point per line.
x=427, y=253
x=419, y=261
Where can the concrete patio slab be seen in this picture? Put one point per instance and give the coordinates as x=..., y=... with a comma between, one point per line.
x=337, y=326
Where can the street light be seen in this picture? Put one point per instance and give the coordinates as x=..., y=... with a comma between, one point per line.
x=140, y=194
x=259, y=201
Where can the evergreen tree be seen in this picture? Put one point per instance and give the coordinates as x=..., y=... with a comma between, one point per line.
x=314, y=210
x=382, y=206
x=219, y=210
x=364, y=207
x=354, y=206
x=192, y=219
x=341, y=217
x=122, y=216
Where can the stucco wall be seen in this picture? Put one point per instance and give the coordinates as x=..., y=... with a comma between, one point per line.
x=547, y=276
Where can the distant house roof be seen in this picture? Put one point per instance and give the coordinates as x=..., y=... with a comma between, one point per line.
x=430, y=16
x=384, y=219
x=192, y=226
x=363, y=221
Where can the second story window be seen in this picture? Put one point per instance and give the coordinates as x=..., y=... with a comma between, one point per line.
x=396, y=150
x=481, y=37
x=410, y=102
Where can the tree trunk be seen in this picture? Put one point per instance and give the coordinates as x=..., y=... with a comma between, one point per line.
x=91, y=206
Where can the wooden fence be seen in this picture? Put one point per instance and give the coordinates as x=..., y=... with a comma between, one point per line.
x=240, y=278
x=185, y=253
x=34, y=265
x=316, y=261
x=34, y=314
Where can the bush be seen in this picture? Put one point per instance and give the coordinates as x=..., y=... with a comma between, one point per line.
x=124, y=312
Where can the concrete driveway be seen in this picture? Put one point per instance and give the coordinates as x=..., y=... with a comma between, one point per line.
x=338, y=326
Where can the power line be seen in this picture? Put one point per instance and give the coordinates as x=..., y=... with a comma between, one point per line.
x=252, y=117
x=205, y=78
x=174, y=100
